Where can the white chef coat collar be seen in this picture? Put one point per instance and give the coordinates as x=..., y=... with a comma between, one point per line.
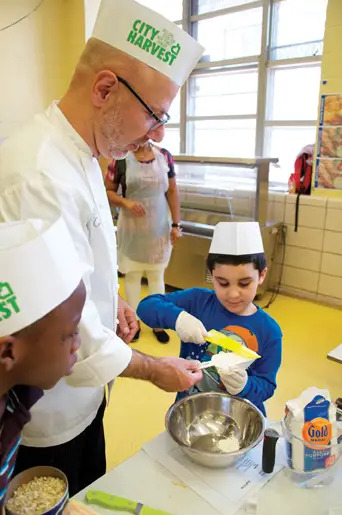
x=55, y=114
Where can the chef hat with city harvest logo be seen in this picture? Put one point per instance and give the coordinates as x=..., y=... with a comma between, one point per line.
x=237, y=239
x=39, y=269
x=149, y=37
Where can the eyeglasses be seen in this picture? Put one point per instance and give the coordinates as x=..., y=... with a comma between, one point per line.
x=159, y=120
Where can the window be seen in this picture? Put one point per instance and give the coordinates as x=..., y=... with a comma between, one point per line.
x=292, y=82
x=174, y=110
x=286, y=143
x=298, y=28
x=256, y=89
x=227, y=138
x=173, y=10
x=205, y=6
x=227, y=93
x=171, y=140
x=294, y=93
x=231, y=35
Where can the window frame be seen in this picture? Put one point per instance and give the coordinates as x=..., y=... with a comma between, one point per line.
x=261, y=62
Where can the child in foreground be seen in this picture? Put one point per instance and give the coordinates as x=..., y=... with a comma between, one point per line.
x=237, y=265
x=41, y=300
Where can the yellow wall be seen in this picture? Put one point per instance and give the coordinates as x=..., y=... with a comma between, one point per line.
x=37, y=55
x=332, y=62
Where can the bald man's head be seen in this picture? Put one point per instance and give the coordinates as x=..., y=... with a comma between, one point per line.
x=104, y=111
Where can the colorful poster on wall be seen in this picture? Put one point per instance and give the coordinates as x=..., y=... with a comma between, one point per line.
x=329, y=145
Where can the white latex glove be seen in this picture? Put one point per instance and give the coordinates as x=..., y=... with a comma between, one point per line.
x=190, y=329
x=234, y=380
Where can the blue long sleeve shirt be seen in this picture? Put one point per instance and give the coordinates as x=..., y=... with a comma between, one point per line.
x=258, y=331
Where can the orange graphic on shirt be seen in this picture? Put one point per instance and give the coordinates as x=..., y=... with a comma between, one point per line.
x=245, y=336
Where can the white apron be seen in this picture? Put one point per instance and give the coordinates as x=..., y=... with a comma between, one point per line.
x=144, y=241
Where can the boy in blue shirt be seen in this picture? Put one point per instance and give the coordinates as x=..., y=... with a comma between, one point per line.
x=238, y=266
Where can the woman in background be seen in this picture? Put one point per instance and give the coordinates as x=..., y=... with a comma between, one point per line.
x=149, y=219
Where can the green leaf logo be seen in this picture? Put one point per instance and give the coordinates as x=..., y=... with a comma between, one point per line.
x=5, y=291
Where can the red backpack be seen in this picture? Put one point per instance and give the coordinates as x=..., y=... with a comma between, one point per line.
x=300, y=179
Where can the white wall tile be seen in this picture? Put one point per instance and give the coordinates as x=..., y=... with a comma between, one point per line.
x=305, y=237
x=306, y=200
x=276, y=211
x=302, y=258
x=333, y=221
x=295, y=292
x=309, y=200
x=308, y=216
x=331, y=264
x=330, y=285
x=290, y=199
x=274, y=196
x=332, y=242
x=334, y=203
x=332, y=301
x=279, y=253
x=300, y=279
x=274, y=274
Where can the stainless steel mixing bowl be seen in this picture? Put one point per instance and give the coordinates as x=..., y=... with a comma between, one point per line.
x=199, y=423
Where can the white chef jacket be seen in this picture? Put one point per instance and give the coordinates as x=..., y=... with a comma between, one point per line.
x=47, y=170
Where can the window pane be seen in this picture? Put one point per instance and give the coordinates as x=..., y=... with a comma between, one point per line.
x=171, y=140
x=286, y=143
x=228, y=93
x=232, y=35
x=223, y=138
x=174, y=110
x=171, y=10
x=205, y=6
x=298, y=28
x=295, y=93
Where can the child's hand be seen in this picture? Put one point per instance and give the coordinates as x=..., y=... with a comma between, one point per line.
x=235, y=380
x=190, y=329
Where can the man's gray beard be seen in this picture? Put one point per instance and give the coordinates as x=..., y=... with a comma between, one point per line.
x=110, y=130
x=117, y=154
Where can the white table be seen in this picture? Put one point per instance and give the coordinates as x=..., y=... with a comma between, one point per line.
x=336, y=354
x=140, y=478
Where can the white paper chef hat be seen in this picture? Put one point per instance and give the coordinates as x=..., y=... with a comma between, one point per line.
x=147, y=36
x=39, y=269
x=236, y=239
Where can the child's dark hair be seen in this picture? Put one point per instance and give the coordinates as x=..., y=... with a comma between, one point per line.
x=258, y=260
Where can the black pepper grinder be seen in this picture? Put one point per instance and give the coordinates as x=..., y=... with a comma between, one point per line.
x=269, y=450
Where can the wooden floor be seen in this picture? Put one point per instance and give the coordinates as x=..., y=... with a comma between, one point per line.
x=137, y=409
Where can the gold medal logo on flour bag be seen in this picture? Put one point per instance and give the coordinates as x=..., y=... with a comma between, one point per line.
x=311, y=422
x=318, y=432
x=160, y=44
x=8, y=302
